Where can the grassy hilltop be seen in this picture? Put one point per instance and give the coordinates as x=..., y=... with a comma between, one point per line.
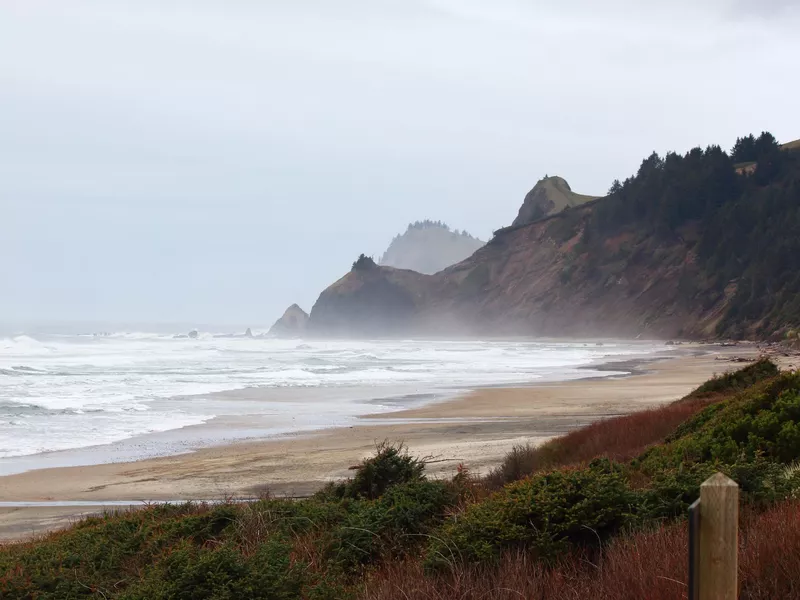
x=596, y=513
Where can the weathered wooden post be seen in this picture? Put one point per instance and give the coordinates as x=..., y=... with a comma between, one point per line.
x=694, y=550
x=717, y=560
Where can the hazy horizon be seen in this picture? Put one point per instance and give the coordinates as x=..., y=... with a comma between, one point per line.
x=213, y=162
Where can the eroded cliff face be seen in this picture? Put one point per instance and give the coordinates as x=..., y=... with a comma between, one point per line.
x=531, y=280
x=371, y=301
x=536, y=280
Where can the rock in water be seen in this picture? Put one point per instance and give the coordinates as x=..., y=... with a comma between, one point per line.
x=248, y=333
x=193, y=334
x=293, y=323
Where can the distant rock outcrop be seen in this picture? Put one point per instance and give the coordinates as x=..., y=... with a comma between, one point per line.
x=293, y=323
x=193, y=334
x=429, y=247
x=549, y=196
x=369, y=301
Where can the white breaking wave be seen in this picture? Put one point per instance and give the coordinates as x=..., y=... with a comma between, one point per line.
x=63, y=392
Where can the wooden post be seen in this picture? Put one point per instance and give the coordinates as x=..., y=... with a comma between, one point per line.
x=694, y=550
x=719, y=538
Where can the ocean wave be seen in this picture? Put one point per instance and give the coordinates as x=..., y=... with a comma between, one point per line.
x=63, y=433
x=124, y=384
x=134, y=335
x=10, y=408
x=23, y=345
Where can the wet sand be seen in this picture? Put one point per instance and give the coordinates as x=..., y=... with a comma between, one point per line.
x=475, y=430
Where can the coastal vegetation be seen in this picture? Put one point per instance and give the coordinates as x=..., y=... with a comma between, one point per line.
x=600, y=512
x=363, y=263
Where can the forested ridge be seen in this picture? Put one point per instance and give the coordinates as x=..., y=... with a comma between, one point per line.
x=742, y=225
x=429, y=246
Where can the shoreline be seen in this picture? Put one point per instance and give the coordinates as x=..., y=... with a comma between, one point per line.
x=475, y=429
x=375, y=402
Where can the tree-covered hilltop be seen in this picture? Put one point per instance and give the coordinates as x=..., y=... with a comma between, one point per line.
x=742, y=227
x=428, y=247
x=428, y=224
x=750, y=149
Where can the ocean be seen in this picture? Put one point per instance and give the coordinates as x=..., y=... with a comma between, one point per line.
x=66, y=392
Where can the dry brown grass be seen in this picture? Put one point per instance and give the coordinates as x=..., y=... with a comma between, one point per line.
x=618, y=438
x=648, y=565
x=769, y=565
x=791, y=145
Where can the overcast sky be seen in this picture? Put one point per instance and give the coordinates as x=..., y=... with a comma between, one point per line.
x=217, y=160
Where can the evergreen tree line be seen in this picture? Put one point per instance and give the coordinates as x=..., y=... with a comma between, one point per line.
x=429, y=224
x=747, y=222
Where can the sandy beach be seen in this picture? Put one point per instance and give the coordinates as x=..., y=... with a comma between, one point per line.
x=475, y=430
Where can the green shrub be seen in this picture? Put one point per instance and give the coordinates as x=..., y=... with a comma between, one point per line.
x=762, y=421
x=672, y=490
x=390, y=525
x=545, y=513
x=192, y=573
x=289, y=518
x=391, y=465
x=741, y=379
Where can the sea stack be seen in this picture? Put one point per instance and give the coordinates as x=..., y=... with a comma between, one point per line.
x=293, y=323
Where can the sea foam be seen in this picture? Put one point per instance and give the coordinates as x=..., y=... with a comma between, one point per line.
x=61, y=392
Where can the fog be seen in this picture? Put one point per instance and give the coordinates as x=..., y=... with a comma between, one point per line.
x=213, y=161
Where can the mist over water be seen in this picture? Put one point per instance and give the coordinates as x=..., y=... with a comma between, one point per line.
x=66, y=391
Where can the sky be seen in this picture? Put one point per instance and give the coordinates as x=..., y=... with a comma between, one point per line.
x=214, y=161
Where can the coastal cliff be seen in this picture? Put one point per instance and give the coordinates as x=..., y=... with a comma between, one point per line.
x=527, y=280
x=687, y=247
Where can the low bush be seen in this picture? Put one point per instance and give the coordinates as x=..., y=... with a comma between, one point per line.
x=390, y=525
x=391, y=465
x=739, y=380
x=189, y=572
x=545, y=513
